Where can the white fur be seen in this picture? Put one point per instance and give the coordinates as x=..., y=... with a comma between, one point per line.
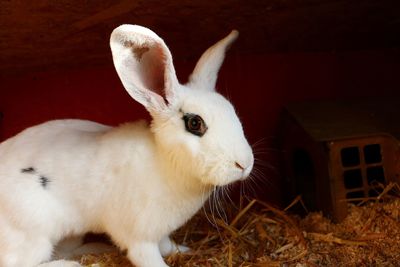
x=136, y=182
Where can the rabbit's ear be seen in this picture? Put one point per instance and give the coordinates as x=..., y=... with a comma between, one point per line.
x=205, y=73
x=144, y=65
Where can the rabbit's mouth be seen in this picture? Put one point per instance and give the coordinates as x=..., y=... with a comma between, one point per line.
x=245, y=176
x=228, y=176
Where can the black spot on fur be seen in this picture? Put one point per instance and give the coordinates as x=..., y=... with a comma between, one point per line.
x=44, y=181
x=28, y=170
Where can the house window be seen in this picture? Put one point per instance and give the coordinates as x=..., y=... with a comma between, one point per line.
x=362, y=170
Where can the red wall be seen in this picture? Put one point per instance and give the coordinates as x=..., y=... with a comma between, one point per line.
x=258, y=85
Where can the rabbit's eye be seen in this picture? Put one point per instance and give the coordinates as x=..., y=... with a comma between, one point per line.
x=195, y=124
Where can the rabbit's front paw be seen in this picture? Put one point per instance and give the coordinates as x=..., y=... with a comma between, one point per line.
x=182, y=249
x=168, y=247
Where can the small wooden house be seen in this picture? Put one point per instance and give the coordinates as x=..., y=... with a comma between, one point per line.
x=336, y=152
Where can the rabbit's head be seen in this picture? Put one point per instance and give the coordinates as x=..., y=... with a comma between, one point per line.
x=196, y=127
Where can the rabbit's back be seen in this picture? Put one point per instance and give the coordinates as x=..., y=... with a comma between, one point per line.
x=42, y=174
x=53, y=144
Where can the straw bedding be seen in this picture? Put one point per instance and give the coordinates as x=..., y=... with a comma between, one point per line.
x=260, y=235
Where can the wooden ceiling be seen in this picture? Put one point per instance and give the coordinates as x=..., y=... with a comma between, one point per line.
x=46, y=34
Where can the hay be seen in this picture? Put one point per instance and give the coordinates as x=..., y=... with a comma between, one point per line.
x=261, y=235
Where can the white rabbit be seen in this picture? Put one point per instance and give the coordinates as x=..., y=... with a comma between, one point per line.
x=136, y=182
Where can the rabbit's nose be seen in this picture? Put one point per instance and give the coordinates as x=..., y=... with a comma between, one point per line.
x=238, y=165
x=244, y=158
x=246, y=167
x=249, y=165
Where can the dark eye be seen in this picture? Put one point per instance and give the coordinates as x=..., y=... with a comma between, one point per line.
x=195, y=124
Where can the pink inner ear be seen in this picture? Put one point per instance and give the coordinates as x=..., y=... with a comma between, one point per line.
x=152, y=70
